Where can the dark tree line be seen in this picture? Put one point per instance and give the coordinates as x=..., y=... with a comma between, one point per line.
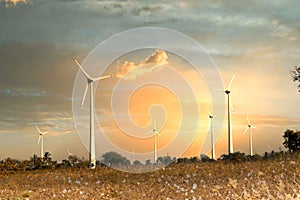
x=113, y=159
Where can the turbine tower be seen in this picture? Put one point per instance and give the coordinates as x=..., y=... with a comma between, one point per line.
x=250, y=127
x=90, y=81
x=41, y=139
x=227, y=91
x=155, y=133
x=211, y=116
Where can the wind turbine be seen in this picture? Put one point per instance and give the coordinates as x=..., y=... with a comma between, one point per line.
x=211, y=116
x=41, y=139
x=227, y=92
x=250, y=127
x=90, y=81
x=155, y=133
x=69, y=153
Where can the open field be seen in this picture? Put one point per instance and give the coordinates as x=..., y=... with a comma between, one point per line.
x=277, y=178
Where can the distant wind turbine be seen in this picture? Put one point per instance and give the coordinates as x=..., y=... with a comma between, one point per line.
x=41, y=139
x=155, y=133
x=250, y=127
x=90, y=81
x=211, y=116
x=69, y=153
x=269, y=148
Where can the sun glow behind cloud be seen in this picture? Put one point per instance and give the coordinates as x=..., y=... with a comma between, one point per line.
x=142, y=108
x=15, y=2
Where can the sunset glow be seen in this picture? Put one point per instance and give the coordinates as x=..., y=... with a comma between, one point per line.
x=259, y=42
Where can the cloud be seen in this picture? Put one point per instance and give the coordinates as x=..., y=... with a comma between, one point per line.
x=126, y=67
x=157, y=58
x=9, y=3
x=23, y=92
x=147, y=10
x=281, y=31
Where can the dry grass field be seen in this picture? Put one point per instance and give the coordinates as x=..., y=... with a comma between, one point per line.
x=277, y=178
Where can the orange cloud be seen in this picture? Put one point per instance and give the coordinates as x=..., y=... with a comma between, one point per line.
x=15, y=2
x=158, y=57
x=126, y=67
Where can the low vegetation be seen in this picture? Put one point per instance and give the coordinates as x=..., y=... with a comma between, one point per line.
x=274, y=175
x=277, y=177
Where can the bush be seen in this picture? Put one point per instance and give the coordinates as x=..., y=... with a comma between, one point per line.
x=291, y=140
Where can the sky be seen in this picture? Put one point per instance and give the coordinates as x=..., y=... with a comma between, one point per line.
x=259, y=41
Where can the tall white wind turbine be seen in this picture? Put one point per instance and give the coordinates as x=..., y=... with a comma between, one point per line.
x=211, y=117
x=41, y=139
x=250, y=127
x=155, y=133
x=227, y=91
x=90, y=81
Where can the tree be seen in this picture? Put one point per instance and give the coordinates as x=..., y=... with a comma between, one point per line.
x=73, y=160
x=296, y=75
x=137, y=163
x=148, y=162
x=291, y=140
x=114, y=159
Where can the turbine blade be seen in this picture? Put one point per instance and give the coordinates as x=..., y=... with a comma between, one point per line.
x=39, y=140
x=230, y=83
x=103, y=77
x=269, y=148
x=248, y=121
x=246, y=129
x=254, y=127
x=209, y=125
x=84, y=95
x=217, y=90
x=207, y=110
x=80, y=67
x=149, y=132
x=38, y=130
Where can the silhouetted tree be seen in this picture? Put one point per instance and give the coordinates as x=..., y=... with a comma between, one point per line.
x=291, y=140
x=114, y=159
x=166, y=160
x=73, y=160
x=204, y=158
x=137, y=163
x=35, y=162
x=148, y=162
x=296, y=75
x=235, y=157
x=183, y=160
x=194, y=159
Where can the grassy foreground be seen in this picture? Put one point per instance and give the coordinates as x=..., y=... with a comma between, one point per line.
x=277, y=178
